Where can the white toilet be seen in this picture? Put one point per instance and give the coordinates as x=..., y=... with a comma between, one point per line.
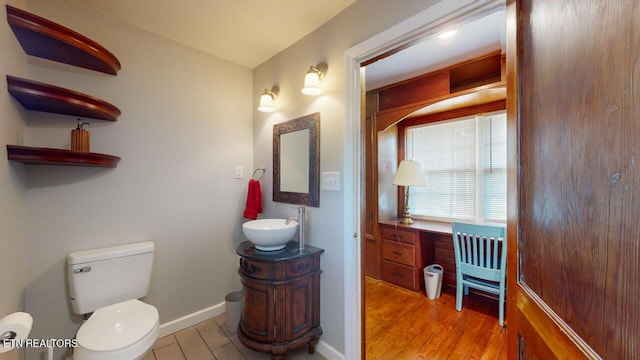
x=108, y=283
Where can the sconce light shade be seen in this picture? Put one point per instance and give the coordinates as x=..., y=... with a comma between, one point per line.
x=267, y=98
x=312, y=84
x=312, y=79
x=266, y=103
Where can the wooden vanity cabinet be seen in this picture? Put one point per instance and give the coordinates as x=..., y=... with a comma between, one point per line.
x=281, y=298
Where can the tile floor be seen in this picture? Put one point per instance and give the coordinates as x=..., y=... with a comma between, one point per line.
x=209, y=340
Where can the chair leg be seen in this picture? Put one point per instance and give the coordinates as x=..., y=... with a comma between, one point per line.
x=459, y=289
x=501, y=308
x=466, y=291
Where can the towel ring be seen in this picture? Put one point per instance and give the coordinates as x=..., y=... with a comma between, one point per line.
x=262, y=171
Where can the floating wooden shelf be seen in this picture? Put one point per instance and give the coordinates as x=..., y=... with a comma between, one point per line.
x=39, y=96
x=46, y=156
x=46, y=39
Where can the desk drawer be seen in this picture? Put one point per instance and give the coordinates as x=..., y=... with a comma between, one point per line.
x=399, y=252
x=400, y=275
x=397, y=234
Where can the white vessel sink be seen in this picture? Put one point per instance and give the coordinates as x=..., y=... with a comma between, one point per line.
x=269, y=234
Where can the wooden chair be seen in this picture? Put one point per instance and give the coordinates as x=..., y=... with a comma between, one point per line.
x=481, y=254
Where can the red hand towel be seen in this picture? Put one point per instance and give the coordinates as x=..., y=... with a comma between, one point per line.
x=254, y=200
x=258, y=196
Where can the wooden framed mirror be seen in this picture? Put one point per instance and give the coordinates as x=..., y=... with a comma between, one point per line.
x=296, y=161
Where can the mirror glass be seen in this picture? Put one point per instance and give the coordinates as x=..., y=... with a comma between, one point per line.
x=296, y=161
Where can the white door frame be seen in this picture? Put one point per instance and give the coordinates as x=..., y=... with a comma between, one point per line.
x=420, y=26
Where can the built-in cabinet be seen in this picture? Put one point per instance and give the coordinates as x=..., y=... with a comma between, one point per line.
x=393, y=252
x=280, y=298
x=408, y=249
x=46, y=39
x=403, y=257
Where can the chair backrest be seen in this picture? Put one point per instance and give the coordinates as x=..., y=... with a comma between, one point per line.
x=480, y=250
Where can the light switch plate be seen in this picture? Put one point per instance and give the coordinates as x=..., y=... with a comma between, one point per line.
x=331, y=181
x=239, y=172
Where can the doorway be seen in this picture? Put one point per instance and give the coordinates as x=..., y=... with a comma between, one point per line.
x=383, y=45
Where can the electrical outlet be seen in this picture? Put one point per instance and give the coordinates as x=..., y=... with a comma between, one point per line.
x=239, y=172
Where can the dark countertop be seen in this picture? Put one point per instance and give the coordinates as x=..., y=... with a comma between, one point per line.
x=248, y=250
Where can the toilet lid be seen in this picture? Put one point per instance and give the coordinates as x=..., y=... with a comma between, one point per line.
x=117, y=326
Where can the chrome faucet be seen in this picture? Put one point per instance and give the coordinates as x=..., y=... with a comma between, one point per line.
x=301, y=219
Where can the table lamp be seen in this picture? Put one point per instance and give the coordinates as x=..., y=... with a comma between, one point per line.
x=409, y=173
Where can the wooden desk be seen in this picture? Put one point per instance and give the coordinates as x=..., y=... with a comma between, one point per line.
x=407, y=249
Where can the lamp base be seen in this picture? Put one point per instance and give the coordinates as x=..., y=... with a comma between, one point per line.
x=406, y=217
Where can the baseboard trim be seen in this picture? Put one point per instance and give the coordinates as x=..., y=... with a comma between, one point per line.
x=190, y=319
x=329, y=351
x=186, y=321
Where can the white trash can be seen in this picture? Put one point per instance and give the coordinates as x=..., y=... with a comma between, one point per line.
x=433, y=280
x=232, y=309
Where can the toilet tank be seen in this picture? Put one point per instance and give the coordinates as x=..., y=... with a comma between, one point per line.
x=110, y=275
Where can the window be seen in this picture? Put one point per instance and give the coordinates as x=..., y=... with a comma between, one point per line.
x=465, y=166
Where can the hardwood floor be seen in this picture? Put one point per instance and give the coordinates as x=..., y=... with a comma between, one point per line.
x=405, y=325
x=400, y=325
x=209, y=340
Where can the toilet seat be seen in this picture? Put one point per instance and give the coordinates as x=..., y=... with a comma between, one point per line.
x=124, y=331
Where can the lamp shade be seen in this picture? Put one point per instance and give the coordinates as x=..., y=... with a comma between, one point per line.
x=266, y=103
x=312, y=84
x=409, y=173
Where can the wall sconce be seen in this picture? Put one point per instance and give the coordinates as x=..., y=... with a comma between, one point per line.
x=267, y=98
x=312, y=79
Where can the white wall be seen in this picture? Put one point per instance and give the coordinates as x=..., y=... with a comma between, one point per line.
x=325, y=224
x=186, y=122
x=12, y=190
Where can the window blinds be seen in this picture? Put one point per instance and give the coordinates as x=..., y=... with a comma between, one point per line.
x=465, y=168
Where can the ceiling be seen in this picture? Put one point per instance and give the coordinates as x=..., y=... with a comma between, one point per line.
x=249, y=32
x=245, y=32
x=472, y=39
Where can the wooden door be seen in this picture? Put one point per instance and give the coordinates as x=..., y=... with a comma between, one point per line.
x=298, y=305
x=258, y=309
x=574, y=129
